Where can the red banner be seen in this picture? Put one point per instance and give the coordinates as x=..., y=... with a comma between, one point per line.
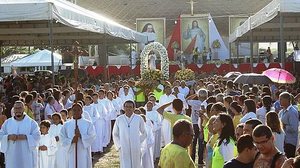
x=207, y=68
x=175, y=41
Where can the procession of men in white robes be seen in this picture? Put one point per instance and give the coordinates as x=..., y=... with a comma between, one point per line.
x=138, y=140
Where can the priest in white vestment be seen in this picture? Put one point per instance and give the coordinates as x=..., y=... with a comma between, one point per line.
x=128, y=134
x=82, y=135
x=19, y=137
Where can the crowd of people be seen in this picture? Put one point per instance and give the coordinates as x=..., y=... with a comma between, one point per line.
x=217, y=122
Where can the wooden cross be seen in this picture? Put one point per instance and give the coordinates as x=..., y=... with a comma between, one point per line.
x=191, y=2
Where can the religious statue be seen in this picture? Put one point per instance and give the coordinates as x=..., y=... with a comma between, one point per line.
x=152, y=60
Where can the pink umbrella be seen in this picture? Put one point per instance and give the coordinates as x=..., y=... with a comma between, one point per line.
x=278, y=75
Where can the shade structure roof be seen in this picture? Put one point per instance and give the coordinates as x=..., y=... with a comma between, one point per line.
x=40, y=58
x=265, y=24
x=26, y=22
x=126, y=11
x=11, y=58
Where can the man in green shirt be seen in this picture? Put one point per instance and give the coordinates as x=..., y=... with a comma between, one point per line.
x=177, y=115
x=175, y=155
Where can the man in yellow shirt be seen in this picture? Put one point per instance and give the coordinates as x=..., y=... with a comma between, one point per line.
x=175, y=155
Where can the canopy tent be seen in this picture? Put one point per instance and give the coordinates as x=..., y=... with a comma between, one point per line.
x=40, y=58
x=28, y=22
x=264, y=26
x=6, y=61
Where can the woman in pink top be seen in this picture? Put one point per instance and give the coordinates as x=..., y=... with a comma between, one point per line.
x=57, y=103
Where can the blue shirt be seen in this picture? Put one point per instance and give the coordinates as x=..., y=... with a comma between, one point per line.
x=277, y=105
x=290, y=119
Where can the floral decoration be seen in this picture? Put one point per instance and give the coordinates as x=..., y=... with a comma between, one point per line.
x=218, y=62
x=152, y=75
x=185, y=74
x=149, y=78
x=164, y=60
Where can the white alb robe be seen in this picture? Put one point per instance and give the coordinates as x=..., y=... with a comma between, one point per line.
x=128, y=134
x=98, y=144
x=88, y=134
x=127, y=97
x=147, y=148
x=20, y=153
x=61, y=159
x=113, y=111
x=155, y=117
x=107, y=134
x=166, y=125
x=121, y=91
x=46, y=159
x=92, y=111
x=117, y=102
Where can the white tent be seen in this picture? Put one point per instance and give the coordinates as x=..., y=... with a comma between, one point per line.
x=265, y=24
x=27, y=22
x=39, y=59
x=6, y=61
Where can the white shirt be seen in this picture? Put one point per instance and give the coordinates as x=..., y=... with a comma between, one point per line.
x=261, y=114
x=279, y=141
x=247, y=117
x=164, y=99
x=185, y=91
x=227, y=151
x=196, y=106
x=49, y=110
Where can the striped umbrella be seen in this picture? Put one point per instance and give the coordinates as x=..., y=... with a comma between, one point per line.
x=278, y=75
x=232, y=75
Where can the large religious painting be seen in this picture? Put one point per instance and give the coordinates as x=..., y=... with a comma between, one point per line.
x=194, y=33
x=153, y=28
